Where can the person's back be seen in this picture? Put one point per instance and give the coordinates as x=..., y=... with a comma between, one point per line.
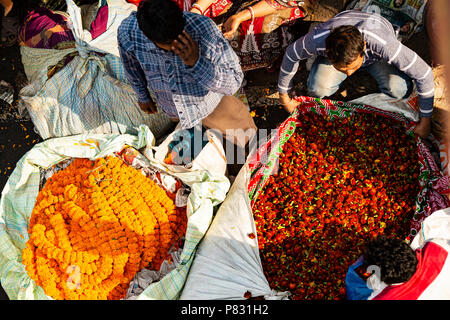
x=186, y=92
x=188, y=66
x=376, y=30
x=393, y=65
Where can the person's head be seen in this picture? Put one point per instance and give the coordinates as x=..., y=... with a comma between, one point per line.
x=161, y=21
x=395, y=258
x=398, y=3
x=345, y=47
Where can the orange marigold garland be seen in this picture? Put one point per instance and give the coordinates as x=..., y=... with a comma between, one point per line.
x=95, y=224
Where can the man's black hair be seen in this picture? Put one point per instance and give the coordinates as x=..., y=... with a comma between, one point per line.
x=344, y=44
x=395, y=258
x=160, y=20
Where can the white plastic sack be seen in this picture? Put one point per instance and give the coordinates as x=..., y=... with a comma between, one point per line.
x=146, y=277
x=19, y=196
x=436, y=227
x=118, y=10
x=407, y=107
x=227, y=263
x=211, y=158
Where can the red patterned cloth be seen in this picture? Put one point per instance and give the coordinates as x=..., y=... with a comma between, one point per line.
x=262, y=42
x=45, y=29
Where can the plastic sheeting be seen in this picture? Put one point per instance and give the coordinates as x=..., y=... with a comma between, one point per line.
x=20, y=192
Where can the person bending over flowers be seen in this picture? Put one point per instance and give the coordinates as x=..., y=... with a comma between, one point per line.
x=352, y=40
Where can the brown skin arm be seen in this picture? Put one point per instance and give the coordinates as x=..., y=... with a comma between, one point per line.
x=288, y=103
x=204, y=4
x=260, y=9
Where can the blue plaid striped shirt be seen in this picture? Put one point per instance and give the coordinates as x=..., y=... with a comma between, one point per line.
x=187, y=93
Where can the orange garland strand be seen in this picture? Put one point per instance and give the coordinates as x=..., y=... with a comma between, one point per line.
x=94, y=226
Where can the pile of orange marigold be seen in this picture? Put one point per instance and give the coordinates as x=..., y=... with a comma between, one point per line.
x=96, y=224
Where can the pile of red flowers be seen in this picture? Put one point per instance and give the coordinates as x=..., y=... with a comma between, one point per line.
x=340, y=182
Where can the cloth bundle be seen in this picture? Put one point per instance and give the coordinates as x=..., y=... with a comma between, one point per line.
x=89, y=93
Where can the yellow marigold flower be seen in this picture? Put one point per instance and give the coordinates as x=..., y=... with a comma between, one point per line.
x=94, y=225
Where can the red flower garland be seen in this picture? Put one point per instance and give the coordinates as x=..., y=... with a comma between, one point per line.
x=339, y=182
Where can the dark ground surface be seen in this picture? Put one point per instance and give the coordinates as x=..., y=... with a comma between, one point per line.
x=17, y=134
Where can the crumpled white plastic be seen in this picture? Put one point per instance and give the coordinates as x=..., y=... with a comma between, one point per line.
x=145, y=277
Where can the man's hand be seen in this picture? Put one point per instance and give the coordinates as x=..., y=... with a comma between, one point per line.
x=148, y=107
x=423, y=128
x=186, y=48
x=288, y=103
x=231, y=25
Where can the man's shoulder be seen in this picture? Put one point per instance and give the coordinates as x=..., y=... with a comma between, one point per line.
x=129, y=23
x=190, y=16
x=357, y=15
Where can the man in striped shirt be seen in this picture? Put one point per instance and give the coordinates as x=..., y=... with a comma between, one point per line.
x=183, y=59
x=352, y=40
